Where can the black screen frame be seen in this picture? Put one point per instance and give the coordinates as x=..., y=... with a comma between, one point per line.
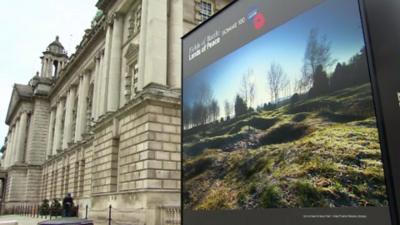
x=379, y=20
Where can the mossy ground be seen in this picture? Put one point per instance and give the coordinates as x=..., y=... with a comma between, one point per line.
x=321, y=152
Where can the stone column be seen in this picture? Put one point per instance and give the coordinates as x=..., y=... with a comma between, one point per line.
x=50, y=67
x=11, y=153
x=175, y=33
x=114, y=80
x=96, y=87
x=81, y=121
x=78, y=110
x=11, y=150
x=85, y=93
x=69, y=111
x=50, y=133
x=45, y=67
x=15, y=144
x=153, y=43
x=4, y=164
x=105, y=72
x=8, y=150
x=22, y=134
x=42, y=71
x=100, y=91
x=58, y=126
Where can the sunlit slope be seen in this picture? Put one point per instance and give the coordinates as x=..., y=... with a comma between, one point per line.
x=320, y=152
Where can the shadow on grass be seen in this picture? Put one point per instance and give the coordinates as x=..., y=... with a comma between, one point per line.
x=284, y=133
x=340, y=118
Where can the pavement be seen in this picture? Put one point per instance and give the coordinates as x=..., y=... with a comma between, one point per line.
x=22, y=220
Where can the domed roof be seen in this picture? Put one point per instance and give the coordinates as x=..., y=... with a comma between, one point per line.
x=56, y=47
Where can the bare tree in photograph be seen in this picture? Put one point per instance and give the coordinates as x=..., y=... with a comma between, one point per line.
x=228, y=108
x=197, y=114
x=200, y=112
x=214, y=110
x=240, y=106
x=247, y=90
x=187, y=116
x=318, y=53
x=277, y=81
x=252, y=93
x=205, y=97
x=205, y=94
x=304, y=83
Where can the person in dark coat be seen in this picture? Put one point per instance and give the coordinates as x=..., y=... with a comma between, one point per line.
x=68, y=203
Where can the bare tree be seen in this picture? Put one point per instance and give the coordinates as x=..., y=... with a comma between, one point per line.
x=252, y=93
x=277, y=81
x=214, y=110
x=247, y=90
x=187, y=116
x=318, y=53
x=205, y=98
x=201, y=111
x=205, y=94
x=228, y=108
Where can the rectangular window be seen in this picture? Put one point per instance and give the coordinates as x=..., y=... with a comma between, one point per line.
x=135, y=76
x=206, y=10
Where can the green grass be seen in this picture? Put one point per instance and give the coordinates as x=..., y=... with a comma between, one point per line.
x=321, y=152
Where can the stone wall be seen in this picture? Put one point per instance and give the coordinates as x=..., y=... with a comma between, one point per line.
x=140, y=145
x=33, y=184
x=38, y=132
x=16, y=181
x=130, y=161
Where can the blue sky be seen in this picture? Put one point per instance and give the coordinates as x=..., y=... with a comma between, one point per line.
x=339, y=20
x=27, y=27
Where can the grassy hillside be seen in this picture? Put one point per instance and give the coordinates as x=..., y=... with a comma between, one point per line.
x=320, y=152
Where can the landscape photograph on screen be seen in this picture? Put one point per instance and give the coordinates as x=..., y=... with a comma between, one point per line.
x=285, y=121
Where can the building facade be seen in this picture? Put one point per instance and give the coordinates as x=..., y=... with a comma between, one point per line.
x=104, y=122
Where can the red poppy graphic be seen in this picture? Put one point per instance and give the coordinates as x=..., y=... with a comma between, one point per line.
x=259, y=21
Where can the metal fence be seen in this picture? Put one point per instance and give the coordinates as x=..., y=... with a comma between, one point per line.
x=168, y=215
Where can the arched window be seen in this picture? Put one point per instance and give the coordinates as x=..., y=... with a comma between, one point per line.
x=55, y=68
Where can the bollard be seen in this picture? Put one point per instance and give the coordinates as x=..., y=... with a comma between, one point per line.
x=109, y=215
x=86, y=211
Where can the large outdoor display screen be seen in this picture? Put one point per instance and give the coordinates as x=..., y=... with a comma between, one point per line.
x=279, y=122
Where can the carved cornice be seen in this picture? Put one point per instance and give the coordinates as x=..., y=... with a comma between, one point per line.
x=91, y=36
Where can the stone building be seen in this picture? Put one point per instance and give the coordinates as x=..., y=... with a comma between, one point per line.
x=104, y=122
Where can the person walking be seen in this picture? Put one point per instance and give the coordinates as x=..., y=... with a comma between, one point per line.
x=68, y=203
